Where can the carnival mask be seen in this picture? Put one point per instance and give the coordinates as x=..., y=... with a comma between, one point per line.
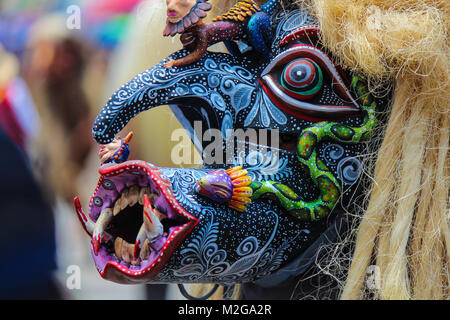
x=259, y=208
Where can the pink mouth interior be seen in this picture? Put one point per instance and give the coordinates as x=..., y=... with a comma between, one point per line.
x=113, y=182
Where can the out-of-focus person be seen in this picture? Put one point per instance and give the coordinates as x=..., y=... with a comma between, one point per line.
x=65, y=73
x=53, y=67
x=27, y=240
x=19, y=118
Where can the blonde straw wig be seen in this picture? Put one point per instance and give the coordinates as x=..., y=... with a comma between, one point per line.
x=405, y=228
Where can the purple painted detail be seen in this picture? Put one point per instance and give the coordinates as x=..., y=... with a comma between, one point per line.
x=110, y=189
x=158, y=244
x=216, y=185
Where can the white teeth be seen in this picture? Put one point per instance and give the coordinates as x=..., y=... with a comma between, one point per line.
x=133, y=195
x=142, y=192
x=121, y=249
x=152, y=225
x=124, y=202
x=130, y=197
x=117, y=206
x=118, y=247
x=125, y=251
x=145, y=250
x=103, y=221
x=100, y=225
x=150, y=230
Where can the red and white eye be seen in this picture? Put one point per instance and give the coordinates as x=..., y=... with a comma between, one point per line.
x=302, y=78
x=296, y=76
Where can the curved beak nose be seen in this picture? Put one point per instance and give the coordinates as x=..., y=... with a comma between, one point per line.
x=201, y=89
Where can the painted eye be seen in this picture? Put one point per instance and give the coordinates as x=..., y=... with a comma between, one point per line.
x=295, y=79
x=302, y=79
x=108, y=185
x=98, y=201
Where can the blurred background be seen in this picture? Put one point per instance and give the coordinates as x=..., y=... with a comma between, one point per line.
x=60, y=61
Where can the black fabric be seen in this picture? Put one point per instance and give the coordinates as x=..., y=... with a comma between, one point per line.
x=310, y=285
x=27, y=240
x=306, y=281
x=156, y=291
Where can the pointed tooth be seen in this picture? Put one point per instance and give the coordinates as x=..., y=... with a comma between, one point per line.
x=141, y=196
x=102, y=222
x=151, y=228
x=135, y=260
x=127, y=252
x=140, y=239
x=117, y=206
x=87, y=223
x=145, y=250
x=142, y=192
x=133, y=195
x=96, y=241
x=118, y=247
x=152, y=225
x=103, y=219
x=124, y=202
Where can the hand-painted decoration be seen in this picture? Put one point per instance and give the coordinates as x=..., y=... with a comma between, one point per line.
x=245, y=19
x=230, y=186
x=117, y=151
x=247, y=218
